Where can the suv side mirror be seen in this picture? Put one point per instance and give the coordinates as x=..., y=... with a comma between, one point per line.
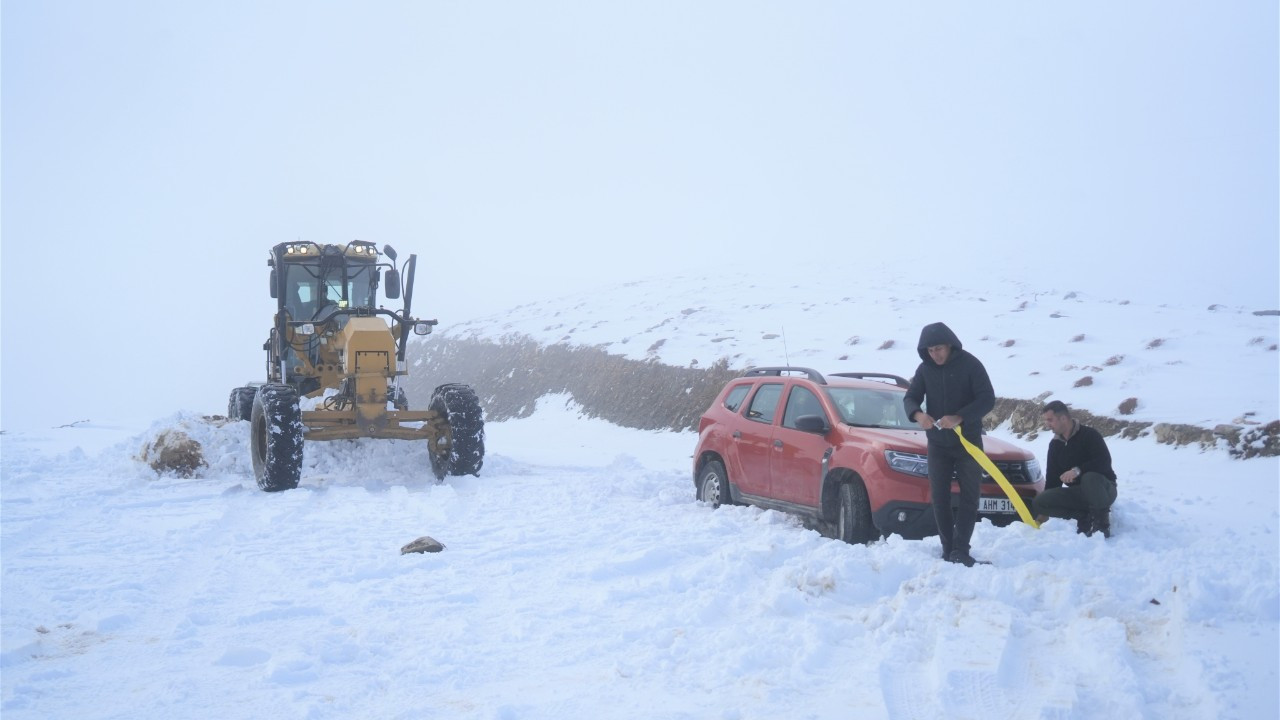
x=393, y=283
x=812, y=424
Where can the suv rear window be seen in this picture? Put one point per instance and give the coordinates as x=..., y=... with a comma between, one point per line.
x=765, y=403
x=734, y=399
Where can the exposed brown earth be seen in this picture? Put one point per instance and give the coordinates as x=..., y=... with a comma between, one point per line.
x=173, y=452
x=510, y=376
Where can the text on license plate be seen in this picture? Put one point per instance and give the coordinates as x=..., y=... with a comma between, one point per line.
x=995, y=505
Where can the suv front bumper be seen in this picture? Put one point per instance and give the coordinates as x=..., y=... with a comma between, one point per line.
x=914, y=521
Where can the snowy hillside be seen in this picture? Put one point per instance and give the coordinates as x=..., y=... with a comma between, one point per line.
x=581, y=579
x=1203, y=365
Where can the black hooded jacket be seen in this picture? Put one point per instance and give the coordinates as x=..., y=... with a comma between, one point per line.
x=960, y=387
x=1084, y=449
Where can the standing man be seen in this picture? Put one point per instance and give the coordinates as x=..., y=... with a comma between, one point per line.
x=957, y=390
x=1079, y=482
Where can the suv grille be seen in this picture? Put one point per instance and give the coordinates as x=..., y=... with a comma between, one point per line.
x=1016, y=473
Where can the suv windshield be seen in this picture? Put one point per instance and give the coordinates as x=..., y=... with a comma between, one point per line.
x=869, y=407
x=308, y=288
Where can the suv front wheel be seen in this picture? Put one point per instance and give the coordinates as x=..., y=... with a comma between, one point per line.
x=853, y=517
x=713, y=484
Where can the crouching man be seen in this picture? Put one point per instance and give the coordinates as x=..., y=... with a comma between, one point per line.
x=1079, y=482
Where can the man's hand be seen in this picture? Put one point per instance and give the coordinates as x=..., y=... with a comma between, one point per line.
x=949, y=421
x=923, y=420
x=1069, y=476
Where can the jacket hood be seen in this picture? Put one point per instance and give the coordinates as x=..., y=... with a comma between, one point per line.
x=937, y=334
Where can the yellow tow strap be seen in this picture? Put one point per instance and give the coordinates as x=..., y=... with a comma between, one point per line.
x=1001, y=480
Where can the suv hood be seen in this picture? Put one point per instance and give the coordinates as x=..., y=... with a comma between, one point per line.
x=916, y=442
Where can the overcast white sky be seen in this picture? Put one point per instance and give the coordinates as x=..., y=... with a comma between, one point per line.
x=154, y=151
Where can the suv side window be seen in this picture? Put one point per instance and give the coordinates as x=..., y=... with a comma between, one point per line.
x=765, y=403
x=734, y=399
x=802, y=401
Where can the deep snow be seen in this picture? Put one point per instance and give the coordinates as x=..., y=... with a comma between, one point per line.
x=581, y=578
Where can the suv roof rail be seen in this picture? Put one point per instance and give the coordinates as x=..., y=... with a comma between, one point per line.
x=897, y=380
x=814, y=375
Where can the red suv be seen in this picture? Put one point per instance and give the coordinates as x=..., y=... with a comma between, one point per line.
x=837, y=450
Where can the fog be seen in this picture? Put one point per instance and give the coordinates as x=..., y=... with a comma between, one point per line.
x=153, y=152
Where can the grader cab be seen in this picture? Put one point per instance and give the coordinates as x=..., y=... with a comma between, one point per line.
x=334, y=361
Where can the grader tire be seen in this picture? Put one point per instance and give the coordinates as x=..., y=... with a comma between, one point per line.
x=276, y=438
x=240, y=404
x=460, y=407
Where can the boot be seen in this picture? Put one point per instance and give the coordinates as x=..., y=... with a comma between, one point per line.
x=1084, y=524
x=1100, y=521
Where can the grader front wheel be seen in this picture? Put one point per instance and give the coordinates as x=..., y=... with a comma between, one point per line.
x=276, y=438
x=460, y=407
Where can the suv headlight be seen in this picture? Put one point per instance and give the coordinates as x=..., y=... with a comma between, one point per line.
x=1033, y=470
x=909, y=463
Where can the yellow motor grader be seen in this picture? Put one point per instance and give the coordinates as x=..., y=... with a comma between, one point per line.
x=333, y=345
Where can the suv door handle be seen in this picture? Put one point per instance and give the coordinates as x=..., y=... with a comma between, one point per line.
x=777, y=444
x=737, y=434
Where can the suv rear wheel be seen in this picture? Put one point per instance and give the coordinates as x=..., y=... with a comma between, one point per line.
x=853, y=517
x=713, y=484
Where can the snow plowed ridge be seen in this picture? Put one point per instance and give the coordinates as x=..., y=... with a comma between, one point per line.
x=580, y=578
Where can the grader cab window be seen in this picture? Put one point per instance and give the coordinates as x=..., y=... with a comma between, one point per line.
x=302, y=294
x=359, y=287
x=308, y=289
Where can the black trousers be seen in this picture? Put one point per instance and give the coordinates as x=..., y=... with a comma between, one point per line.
x=954, y=528
x=1092, y=493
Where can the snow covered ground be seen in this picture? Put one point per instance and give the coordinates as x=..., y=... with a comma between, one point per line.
x=580, y=579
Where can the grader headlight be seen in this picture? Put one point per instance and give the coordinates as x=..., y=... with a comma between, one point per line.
x=306, y=329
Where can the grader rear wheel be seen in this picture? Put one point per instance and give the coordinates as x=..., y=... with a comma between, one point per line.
x=240, y=404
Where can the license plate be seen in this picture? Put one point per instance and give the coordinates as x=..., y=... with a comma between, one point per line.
x=995, y=505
